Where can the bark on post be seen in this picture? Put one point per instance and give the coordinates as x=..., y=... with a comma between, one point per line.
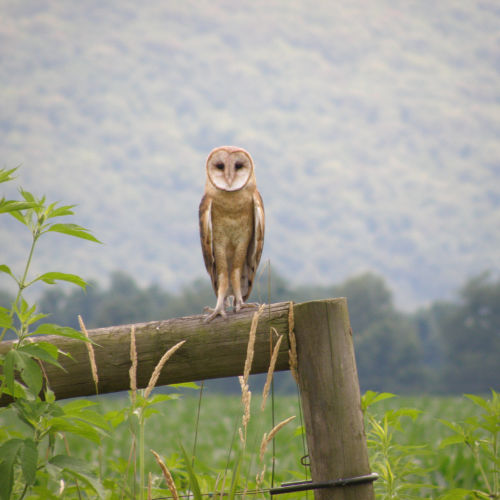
x=213, y=350
x=331, y=400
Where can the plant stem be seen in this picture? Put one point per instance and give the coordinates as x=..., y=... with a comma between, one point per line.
x=141, y=454
x=21, y=286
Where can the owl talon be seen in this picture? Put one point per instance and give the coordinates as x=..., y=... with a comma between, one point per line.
x=213, y=314
x=248, y=305
x=243, y=305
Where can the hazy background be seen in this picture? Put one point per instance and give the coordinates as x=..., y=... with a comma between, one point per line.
x=374, y=127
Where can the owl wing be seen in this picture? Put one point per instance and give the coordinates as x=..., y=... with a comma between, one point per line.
x=206, y=237
x=255, y=247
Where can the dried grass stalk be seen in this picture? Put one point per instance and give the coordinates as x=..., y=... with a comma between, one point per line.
x=156, y=372
x=266, y=439
x=90, y=349
x=291, y=319
x=246, y=399
x=259, y=478
x=132, y=373
x=168, y=477
x=292, y=352
x=251, y=343
x=270, y=371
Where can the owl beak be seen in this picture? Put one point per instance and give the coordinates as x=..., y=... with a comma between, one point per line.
x=230, y=176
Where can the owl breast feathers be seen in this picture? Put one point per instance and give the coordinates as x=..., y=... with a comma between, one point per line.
x=231, y=226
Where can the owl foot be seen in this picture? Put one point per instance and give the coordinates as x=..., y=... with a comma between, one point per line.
x=214, y=313
x=244, y=305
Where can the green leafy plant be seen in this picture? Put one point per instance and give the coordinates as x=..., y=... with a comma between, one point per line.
x=479, y=434
x=398, y=466
x=30, y=454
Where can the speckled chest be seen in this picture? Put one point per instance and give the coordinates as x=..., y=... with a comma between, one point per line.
x=232, y=216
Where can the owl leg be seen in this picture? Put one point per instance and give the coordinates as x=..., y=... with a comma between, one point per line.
x=236, y=284
x=221, y=298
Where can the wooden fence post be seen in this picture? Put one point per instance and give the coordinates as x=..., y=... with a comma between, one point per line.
x=331, y=400
x=328, y=377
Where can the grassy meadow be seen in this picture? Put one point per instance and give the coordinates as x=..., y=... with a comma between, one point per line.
x=174, y=422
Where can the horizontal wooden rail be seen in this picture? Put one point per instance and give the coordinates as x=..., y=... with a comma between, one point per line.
x=212, y=350
x=327, y=374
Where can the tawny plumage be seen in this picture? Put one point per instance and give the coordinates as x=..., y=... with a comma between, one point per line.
x=231, y=226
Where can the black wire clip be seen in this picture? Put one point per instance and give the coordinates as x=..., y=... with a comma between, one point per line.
x=309, y=485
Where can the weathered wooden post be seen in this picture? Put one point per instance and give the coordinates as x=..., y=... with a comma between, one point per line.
x=328, y=378
x=331, y=400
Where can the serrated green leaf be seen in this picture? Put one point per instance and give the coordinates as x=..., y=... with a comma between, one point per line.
x=6, y=269
x=27, y=196
x=453, y=426
x=73, y=230
x=68, y=462
x=6, y=175
x=79, y=469
x=5, y=318
x=79, y=409
x=115, y=417
x=31, y=374
x=77, y=405
x=160, y=398
x=8, y=369
x=77, y=427
x=52, y=277
x=479, y=401
x=62, y=331
x=12, y=206
x=371, y=397
x=8, y=452
x=60, y=211
x=29, y=459
x=455, y=494
x=19, y=216
x=50, y=397
x=39, y=352
x=185, y=385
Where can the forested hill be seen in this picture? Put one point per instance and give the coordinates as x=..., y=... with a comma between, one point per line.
x=374, y=127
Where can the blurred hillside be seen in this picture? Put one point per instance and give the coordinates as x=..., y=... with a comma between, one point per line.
x=374, y=126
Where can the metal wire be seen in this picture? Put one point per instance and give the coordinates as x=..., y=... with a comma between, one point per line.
x=294, y=487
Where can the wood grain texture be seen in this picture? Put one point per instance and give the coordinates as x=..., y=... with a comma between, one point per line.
x=331, y=399
x=213, y=350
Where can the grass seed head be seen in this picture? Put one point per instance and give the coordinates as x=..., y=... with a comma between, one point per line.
x=90, y=349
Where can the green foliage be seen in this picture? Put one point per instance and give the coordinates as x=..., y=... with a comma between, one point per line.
x=480, y=434
x=398, y=466
x=465, y=461
x=27, y=454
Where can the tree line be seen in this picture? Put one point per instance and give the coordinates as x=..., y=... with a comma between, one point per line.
x=447, y=347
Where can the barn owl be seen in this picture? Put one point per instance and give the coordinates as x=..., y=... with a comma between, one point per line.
x=231, y=226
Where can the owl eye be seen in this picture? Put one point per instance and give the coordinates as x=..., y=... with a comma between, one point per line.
x=238, y=165
x=220, y=165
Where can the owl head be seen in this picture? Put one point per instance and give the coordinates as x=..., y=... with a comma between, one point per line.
x=229, y=168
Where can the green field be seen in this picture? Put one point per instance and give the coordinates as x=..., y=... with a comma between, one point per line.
x=413, y=440
x=174, y=422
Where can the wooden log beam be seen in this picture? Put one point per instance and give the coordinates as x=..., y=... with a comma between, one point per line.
x=214, y=350
x=331, y=401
